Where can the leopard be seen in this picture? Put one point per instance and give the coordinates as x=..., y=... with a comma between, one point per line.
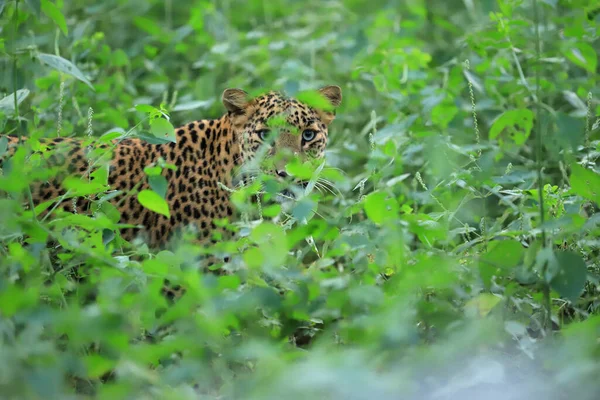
x=206, y=154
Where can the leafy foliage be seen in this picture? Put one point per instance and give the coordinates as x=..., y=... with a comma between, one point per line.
x=449, y=246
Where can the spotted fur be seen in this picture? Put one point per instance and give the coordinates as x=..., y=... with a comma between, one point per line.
x=206, y=154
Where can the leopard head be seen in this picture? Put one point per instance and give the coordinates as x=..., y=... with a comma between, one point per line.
x=275, y=128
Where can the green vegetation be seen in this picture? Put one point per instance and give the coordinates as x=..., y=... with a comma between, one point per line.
x=457, y=257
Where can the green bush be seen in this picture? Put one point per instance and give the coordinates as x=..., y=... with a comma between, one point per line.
x=450, y=251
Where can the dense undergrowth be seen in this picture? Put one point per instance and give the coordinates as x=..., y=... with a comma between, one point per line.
x=455, y=257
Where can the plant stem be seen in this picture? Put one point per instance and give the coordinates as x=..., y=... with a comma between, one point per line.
x=16, y=101
x=538, y=160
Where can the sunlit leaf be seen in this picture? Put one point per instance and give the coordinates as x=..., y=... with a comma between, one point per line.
x=83, y=187
x=55, y=15
x=380, y=208
x=585, y=182
x=314, y=99
x=161, y=128
x=154, y=202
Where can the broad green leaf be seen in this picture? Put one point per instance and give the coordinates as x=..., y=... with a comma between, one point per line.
x=152, y=170
x=582, y=55
x=314, y=99
x=162, y=128
x=13, y=299
x=379, y=208
x=502, y=255
x=152, y=201
x=253, y=257
x=585, y=183
x=55, y=15
x=303, y=209
x=159, y=184
x=8, y=102
x=155, y=267
x=571, y=276
x=119, y=58
x=443, y=113
x=66, y=66
x=148, y=25
x=272, y=243
x=152, y=139
x=82, y=187
x=107, y=236
x=146, y=108
x=229, y=282
x=96, y=365
x=515, y=125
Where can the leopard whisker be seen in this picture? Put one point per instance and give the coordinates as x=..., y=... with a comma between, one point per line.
x=330, y=186
x=322, y=188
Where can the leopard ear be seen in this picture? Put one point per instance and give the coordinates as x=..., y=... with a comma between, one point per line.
x=333, y=94
x=235, y=100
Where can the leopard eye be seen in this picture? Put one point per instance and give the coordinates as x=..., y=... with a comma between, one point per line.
x=263, y=134
x=308, y=135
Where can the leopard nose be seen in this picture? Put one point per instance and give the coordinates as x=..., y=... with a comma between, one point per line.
x=282, y=173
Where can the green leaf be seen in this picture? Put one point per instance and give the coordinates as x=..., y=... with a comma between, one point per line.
x=55, y=15
x=379, y=208
x=149, y=26
x=229, y=282
x=303, y=209
x=35, y=6
x=443, y=113
x=8, y=102
x=502, y=255
x=585, y=183
x=152, y=139
x=272, y=243
x=162, y=128
x=145, y=108
x=152, y=201
x=96, y=365
x=313, y=98
x=82, y=187
x=152, y=170
x=513, y=124
x=570, y=279
x=119, y=58
x=65, y=66
x=582, y=55
x=158, y=183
